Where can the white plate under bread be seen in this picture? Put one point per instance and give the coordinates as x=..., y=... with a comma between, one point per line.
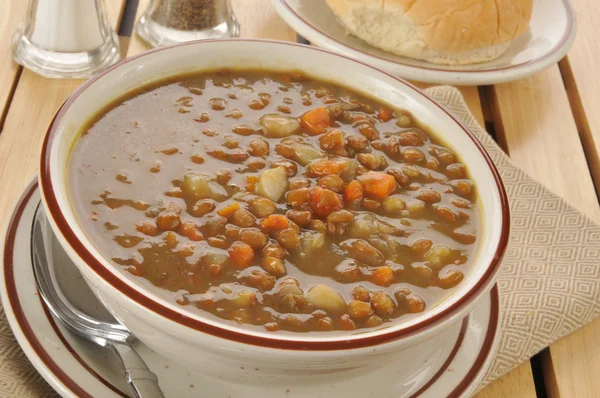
x=550, y=33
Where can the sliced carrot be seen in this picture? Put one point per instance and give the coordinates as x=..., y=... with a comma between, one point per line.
x=377, y=185
x=275, y=222
x=383, y=276
x=241, y=254
x=316, y=121
x=228, y=211
x=324, y=167
x=385, y=114
x=353, y=191
x=251, y=183
x=323, y=201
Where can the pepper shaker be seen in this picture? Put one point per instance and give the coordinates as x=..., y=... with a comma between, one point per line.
x=66, y=39
x=167, y=22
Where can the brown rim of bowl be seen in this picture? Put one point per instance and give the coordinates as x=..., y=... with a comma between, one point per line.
x=140, y=298
x=563, y=39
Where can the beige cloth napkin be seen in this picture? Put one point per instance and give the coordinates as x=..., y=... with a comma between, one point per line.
x=550, y=277
x=549, y=283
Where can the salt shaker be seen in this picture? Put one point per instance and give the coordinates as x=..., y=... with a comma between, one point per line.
x=167, y=22
x=66, y=39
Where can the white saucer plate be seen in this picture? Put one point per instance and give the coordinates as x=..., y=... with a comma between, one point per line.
x=77, y=368
x=550, y=35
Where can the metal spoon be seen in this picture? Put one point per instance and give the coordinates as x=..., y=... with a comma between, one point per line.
x=112, y=335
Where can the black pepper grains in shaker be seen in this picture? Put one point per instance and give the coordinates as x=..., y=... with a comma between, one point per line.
x=187, y=14
x=167, y=22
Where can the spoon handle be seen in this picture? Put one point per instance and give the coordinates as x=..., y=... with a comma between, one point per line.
x=137, y=374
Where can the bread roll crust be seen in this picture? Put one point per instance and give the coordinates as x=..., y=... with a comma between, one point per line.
x=438, y=31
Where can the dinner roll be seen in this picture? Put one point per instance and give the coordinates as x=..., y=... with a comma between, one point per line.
x=438, y=31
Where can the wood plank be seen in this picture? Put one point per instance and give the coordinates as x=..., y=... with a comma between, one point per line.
x=579, y=69
x=258, y=19
x=13, y=13
x=572, y=365
x=136, y=44
x=26, y=123
x=516, y=384
x=542, y=138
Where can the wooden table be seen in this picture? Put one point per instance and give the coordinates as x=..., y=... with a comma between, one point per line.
x=548, y=123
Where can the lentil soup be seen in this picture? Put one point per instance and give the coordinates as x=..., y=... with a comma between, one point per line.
x=276, y=200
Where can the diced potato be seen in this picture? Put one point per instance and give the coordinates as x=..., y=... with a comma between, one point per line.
x=416, y=207
x=362, y=226
x=305, y=153
x=393, y=206
x=438, y=255
x=403, y=119
x=325, y=298
x=203, y=186
x=349, y=170
x=272, y=183
x=216, y=258
x=279, y=126
x=310, y=242
x=244, y=299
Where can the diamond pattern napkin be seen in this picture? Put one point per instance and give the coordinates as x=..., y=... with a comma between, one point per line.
x=550, y=278
x=549, y=282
